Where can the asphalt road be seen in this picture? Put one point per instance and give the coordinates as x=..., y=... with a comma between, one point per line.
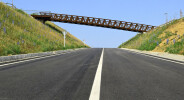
x=125, y=76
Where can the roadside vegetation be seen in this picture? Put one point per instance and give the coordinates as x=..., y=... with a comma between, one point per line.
x=167, y=38
x=21, y=34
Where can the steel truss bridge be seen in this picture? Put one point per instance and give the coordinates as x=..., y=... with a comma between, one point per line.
x=108, y=23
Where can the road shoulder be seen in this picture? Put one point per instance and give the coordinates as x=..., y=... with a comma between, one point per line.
x=174, y=57
x=5, y=59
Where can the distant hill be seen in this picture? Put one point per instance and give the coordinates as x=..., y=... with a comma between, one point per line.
x=165, y=38
x=21, y=34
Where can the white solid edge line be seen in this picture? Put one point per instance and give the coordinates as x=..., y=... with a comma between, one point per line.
x=156, y=57
x=95, y=91
x=34, y=58
x=30, y=59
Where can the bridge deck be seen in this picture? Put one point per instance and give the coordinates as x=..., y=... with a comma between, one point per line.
x=115, y=24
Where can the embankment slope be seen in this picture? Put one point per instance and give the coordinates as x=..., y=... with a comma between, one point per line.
x=21, y=34
x=167, y=38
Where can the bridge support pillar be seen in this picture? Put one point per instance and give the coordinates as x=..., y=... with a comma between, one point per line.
x=143, y=32
x=42, y=20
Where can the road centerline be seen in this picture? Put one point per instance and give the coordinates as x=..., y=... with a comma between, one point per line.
x=95, y=91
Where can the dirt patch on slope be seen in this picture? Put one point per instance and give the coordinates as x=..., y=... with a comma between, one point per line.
x=173, y=32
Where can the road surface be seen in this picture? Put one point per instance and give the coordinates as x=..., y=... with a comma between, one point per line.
x=124, y=75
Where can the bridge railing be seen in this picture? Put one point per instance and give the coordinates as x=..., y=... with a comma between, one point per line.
x=136, y=27
x=45, y=13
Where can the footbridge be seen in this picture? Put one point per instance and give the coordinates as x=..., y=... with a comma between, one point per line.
x=107, y=23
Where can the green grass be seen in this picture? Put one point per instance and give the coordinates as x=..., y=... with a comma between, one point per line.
x=147, y=41
x=21, y=34
x=131, y=41
x=168, y=34
x=176, y=48
x=150, y=40
x=21, y=11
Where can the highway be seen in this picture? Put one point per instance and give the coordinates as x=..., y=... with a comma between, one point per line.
x=104, y=74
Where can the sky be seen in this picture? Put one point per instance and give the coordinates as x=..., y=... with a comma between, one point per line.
x=151, y=12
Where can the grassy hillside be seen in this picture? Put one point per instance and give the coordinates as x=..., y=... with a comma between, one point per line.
x=168, y=38
x=20, y=34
